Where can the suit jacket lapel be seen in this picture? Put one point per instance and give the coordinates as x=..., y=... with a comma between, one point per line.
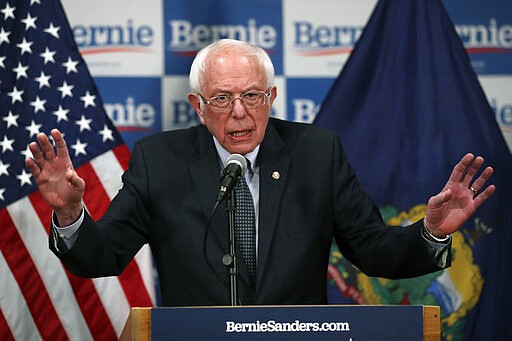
x=204, y=170
x=273, y=177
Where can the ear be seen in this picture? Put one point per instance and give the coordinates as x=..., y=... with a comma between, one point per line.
x=273, y=95
x=195, y=102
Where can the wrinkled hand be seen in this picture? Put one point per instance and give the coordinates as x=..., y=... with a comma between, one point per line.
x=58, y=182
x=460, y=197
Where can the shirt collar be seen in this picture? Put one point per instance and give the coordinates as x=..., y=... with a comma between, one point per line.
x=223, y=154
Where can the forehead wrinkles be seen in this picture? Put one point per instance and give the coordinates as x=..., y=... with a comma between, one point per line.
x=232, y=64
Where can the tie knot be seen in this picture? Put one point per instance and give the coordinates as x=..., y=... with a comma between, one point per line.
x=249, y=165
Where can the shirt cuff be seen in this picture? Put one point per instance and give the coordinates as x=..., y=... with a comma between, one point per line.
x=441, y=256
x=67, y=234
x=439, y=246
x=427, y=235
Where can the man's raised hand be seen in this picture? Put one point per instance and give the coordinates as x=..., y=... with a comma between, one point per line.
x=56, y=178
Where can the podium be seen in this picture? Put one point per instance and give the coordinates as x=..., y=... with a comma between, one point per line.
x=325, y=322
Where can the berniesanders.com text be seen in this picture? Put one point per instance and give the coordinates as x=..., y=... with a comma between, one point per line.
x=272, y=326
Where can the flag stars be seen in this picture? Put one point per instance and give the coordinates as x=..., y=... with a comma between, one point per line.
x=29, y=21
x=7, y=144
x=25, y=46
x=106, y=133
x=88, y=99
x=65, y=90
x=84, y=123
x=3, y=168
x=4, y=36
x=53, y=30
x=43, y=80
x=70, y=65
x=34, y=128
x=21, y=71
x=79, y=148
x=11, y=119
x=38, y=104
x=61, y=113
x=24, y=178
x=15, y=95
x=8, y=11
x=41, y=86
x=27, y=153
x=48, y=56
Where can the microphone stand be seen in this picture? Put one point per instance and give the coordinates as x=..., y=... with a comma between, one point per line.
x=230, y=259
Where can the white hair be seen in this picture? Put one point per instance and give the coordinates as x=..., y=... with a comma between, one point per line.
x=198, y=67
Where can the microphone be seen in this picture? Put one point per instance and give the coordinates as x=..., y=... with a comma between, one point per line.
x=235, y=166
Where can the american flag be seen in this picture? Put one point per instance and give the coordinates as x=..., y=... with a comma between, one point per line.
x=45, y=84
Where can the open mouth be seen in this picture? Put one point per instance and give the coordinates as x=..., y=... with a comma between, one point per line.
x=240, y=133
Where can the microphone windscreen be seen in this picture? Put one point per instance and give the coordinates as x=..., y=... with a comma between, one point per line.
x=237, y=159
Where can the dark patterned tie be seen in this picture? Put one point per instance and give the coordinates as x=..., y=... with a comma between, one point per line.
x=245, y=227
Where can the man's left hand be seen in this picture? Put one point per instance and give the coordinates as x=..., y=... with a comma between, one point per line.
x=460, y=197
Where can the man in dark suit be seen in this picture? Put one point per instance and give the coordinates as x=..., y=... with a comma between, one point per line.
x=304, y=194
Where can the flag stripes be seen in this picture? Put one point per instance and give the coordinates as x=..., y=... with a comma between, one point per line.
x=24, y=269
x=51, y=302
x=46, y=85
x=5, y=332
x=85, y=293
x=53, y=276
x=19, y=323
x=109, y=171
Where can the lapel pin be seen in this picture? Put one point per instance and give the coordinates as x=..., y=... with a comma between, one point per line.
x=276, y=175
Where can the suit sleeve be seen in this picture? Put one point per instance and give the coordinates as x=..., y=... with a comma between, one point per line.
x=365, y=240
x=105, y=248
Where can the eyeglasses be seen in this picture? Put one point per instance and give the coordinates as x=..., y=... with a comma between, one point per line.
x=250, y=100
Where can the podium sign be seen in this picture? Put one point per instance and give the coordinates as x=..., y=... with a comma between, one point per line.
x=329, y=322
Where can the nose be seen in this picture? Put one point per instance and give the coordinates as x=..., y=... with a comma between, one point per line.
x=238, y=109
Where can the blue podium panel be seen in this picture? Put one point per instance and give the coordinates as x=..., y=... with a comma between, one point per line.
x=329, y=322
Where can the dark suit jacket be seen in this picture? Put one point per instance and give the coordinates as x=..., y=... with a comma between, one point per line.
x=169, y=191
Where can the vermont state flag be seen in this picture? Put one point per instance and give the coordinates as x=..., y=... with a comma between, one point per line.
x=408, y=106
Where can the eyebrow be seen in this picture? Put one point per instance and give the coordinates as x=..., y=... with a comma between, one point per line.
x=248, y=89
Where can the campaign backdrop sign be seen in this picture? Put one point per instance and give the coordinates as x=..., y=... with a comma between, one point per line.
x=305, y=97
x=319, y=38
x=118, y=37
x=498, y=92
x=133, y=104
x=486, y=32
x=177, y=111
x=191, y=25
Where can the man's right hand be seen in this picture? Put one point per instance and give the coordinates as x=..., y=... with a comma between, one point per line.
x=56, y=178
